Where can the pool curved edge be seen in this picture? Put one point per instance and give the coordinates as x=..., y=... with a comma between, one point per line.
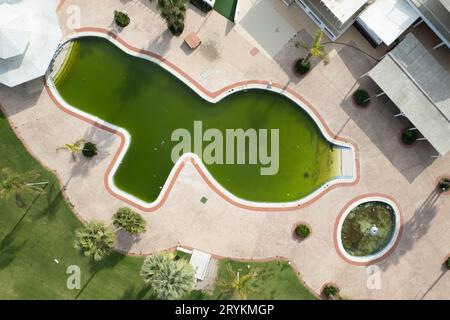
x=191, y=158
x=386, y=251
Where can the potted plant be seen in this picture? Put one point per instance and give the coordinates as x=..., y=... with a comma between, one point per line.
x=174, y=13
x=302, y=231
x=361, y=98
x=89, y=150
x=315, y=50
x=409, y=136
x=444, y=184
x=331, y=291
x=121, y=18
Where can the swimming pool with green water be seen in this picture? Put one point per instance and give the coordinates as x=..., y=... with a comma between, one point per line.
x=150, y=103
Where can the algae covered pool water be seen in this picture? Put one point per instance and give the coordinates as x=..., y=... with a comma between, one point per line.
x=150, y=103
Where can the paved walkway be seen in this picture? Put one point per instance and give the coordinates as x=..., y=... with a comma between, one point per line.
x=413, y=271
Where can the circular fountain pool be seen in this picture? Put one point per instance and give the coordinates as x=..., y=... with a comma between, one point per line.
x=367, y=229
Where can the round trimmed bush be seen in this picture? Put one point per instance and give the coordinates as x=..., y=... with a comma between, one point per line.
x=89, y=150
x=330, y=291
x=121, y=18
x=409, y=136
x=360, y=97
x=301, y=67
x=302, y=231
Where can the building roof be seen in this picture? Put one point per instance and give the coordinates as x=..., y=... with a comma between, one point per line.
x=420, y=87
x=388, y=19
x=343, y=9
x=14, y=33
x=436, y=13
x=29, y=37
x=200, y=261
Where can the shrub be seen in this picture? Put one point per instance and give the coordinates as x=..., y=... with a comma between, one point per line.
x=360, y=97
x=444, y=184
x=95, y=240
x=173, y=12
x=302, y=231
x=177, y=29
x=89, y=150
x=409, y=136
x=302, y=67
x=331, y=291
x=170, y=279
x=121, y=18
x=129, y=220
x=447, y=263
x=203, y=6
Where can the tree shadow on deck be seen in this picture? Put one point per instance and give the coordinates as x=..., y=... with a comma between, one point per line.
x=416, y=228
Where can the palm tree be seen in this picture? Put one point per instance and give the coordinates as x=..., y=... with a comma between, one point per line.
x=170, y=279
x=74, y=148
x=239, y=285
x=173, y=11
x=315, y=50
x=14, y=184
x=95, y=240
x=129, y=220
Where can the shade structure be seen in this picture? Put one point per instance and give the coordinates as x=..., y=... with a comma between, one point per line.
x=420, y=87
x=386, y=20
x=29, y=37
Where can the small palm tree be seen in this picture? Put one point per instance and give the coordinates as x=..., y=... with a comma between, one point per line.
x=239, y=285
x=173, y=12
x=129, y=220
x=170, y=279
x=315, y=50
x=95, y=240
x=14, y=184
x=74, y=148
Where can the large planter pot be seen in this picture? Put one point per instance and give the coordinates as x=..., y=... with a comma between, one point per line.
x=409, y=137
x=177, y=30
x=360, y=98
x=330, y=291
x=447, y=262
x=301, y=231
x=443, y=184
x=301, y=68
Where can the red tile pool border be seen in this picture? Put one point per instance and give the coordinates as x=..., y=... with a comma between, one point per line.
x=211, y=95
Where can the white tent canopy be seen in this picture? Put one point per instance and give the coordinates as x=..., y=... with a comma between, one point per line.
x=29, y=37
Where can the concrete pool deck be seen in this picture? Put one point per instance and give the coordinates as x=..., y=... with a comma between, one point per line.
x=412, y=271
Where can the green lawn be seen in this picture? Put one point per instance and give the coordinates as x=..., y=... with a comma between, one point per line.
x=227, y=8
x=277, y=280
x=31, y=238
